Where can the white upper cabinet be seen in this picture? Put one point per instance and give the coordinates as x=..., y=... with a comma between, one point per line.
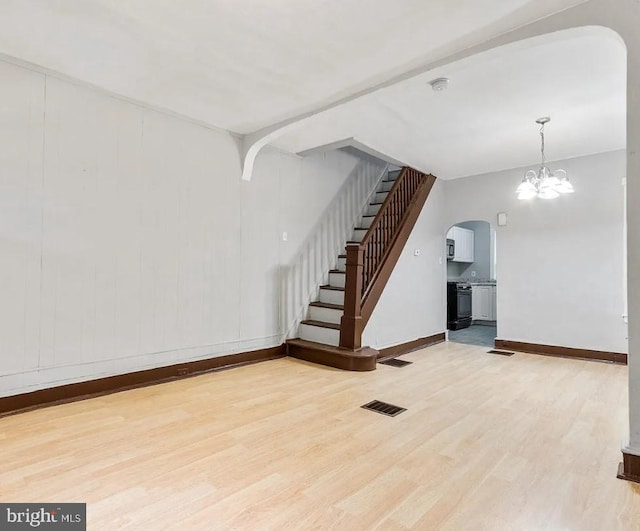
x=463, y=244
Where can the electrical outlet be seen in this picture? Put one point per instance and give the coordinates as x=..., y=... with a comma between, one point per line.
x=183, y=371
x=285, y=236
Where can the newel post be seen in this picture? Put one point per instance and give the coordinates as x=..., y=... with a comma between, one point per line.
x=351, y=322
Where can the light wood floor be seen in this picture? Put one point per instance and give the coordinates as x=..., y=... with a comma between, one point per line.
x=488, y=442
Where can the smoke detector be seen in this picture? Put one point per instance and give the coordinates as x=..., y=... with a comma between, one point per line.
x=439, y=84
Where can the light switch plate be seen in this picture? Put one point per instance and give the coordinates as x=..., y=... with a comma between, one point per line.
x=502, y=219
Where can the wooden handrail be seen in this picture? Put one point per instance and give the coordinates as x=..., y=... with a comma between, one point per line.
x=369, y=263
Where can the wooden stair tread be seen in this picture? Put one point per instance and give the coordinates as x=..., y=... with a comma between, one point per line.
x=363, y=359
x=342, y=256
x=320, y=304
x=361, y=228
x=305, y=342
x=337, y=271
x=321, y=324
x=330, y=348
x=334, y=288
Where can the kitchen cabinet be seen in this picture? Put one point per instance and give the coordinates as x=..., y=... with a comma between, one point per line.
x=482, y=303
x=463, y=238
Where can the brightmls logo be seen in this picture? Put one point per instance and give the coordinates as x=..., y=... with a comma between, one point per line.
x=43, y=516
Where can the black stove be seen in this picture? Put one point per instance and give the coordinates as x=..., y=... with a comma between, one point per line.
x=458, y=305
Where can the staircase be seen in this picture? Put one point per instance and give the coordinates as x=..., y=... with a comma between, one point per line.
x=332, y=333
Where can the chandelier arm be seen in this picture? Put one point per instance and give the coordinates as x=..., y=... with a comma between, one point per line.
x=542, y=144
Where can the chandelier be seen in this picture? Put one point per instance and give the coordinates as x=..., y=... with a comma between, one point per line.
x=544, y=183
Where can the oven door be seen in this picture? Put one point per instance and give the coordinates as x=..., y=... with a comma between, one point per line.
x=464, y=303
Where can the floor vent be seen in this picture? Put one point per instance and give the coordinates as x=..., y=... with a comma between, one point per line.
x=501, y=352
x=384, y=408
x=395, y=362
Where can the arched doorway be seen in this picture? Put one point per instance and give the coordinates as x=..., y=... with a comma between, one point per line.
x=472, y=283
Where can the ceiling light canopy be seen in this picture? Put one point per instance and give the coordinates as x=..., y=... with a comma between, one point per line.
x=544, y=183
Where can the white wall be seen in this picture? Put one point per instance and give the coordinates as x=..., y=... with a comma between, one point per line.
x=128, y=240
x=560, y=261
x=412, y=304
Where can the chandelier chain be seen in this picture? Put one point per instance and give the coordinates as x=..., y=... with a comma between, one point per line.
x=542, y=144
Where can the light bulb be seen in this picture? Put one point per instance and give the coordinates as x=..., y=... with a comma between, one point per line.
x=549, y=182
x=564, y=186
x=548, y=193
x=526, y=186
x=527, y=194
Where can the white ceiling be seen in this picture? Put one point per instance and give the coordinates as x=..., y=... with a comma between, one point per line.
x=485, y=121
x=245, y=64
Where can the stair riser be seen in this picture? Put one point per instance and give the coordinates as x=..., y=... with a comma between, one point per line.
x=372, y=210
x=326, y=315
x=385, y=186
x=331, y=296
x=381, y=196
x=366, y=222
x=392, y=175
x=341, y=265
x=358, y=235
x=328, y=336
x=336, y=280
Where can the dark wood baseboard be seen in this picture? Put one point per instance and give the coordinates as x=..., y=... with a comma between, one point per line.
x=629, y=468
x=562, y=352
x=405, y=348
x=362, y=359
x=122, y=382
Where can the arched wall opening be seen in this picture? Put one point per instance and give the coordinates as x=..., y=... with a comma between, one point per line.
x=550, y=251
x=471, y=280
